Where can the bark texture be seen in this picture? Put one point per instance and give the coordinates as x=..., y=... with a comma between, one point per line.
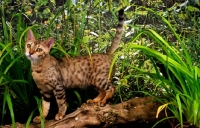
x=89, y=115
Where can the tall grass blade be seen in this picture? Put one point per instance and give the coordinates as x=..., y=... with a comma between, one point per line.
x=40, y=110
x=29, y=118
x=180, y=109
x=9, y=102
x=78, y=96
x=15, y=87
x=5, y=30
x=3, y=108
x=172, y=117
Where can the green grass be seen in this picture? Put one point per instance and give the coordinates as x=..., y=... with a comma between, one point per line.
x=136, y=69
x=15, y=77
x=15, y=71
x=182, y=99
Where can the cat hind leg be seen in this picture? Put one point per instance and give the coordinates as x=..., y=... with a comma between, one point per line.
x=100, y=96
x=109, y=95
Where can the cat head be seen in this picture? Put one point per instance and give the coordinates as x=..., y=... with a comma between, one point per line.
x=36, y=50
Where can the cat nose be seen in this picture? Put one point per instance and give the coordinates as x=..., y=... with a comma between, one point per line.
x=31, y=52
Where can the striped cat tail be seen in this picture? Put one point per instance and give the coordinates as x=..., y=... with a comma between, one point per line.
x=119, y=30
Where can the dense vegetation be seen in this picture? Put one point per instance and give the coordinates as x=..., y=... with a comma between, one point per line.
x=158, y=55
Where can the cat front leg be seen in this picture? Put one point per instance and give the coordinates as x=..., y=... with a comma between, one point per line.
x=61, y=101
x=45, y=111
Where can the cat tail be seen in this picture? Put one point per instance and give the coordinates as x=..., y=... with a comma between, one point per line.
x=118, y=36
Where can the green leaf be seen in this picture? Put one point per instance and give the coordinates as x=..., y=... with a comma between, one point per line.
x=192, y=8
x=78, y=96
x=9, y=102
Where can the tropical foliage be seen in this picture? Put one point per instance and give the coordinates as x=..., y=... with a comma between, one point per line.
x=158, y=54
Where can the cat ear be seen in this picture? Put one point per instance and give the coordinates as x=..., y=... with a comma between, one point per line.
x=49, y=42
x=30, y=35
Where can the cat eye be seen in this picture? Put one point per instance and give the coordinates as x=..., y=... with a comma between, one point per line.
x=28, y=45
x=38, y=50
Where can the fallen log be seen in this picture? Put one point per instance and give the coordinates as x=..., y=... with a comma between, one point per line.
x=136, y=109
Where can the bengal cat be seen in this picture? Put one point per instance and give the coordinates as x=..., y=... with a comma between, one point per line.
x=53, y=75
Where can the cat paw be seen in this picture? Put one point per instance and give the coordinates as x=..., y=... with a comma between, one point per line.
x=36, y=119
x=59, y=116
x=90, y=101
x=101, y=104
